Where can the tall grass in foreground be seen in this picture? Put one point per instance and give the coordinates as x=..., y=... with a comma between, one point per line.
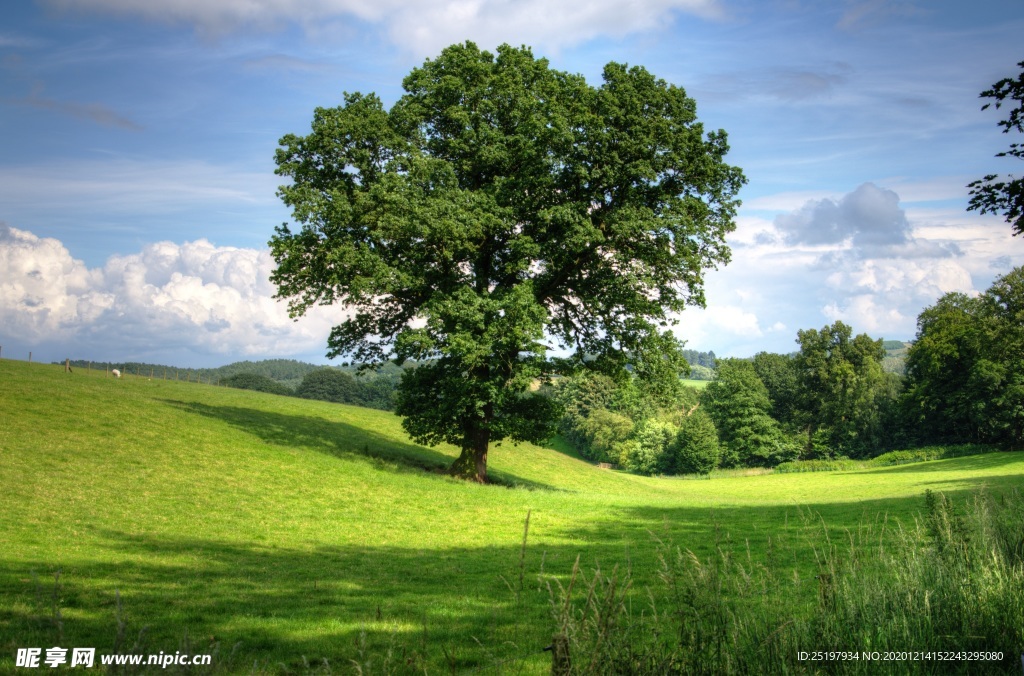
x=954, y=582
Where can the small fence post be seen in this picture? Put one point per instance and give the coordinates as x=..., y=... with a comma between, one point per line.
x=30, y=357
x=67, y=365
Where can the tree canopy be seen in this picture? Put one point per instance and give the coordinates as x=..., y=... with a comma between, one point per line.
x=498, y=207
x=965, y=371
x=995, y=194
x=842, y=388
x=255, y=381
x=738, y=404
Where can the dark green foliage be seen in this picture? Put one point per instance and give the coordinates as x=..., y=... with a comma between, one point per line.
x=1001, y=371
x=340, y=387
x=738, y=404
x=965, y=371
x=697, y=358
x=252, y=381
x=695, y=449
x=599, y=414
x=939, y=366
x=579, y=397
x=500, y=203
x=377, y=391
x=328, y=385
x=843, y=392
x=993, y=194
x=286, y=372
x=778, y=373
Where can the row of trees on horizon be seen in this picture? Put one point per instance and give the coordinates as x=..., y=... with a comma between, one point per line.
x=834, y=397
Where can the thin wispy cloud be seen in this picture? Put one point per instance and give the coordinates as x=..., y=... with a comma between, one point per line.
x=867, y=13
x=93, y=112
x=11, y=40
x=421, y=26
x=285, y=62
x=785, y=84
x=126, y=185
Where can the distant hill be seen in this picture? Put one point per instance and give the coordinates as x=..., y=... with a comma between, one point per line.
x=288, y=372
x=895, y=360
x=373, y=388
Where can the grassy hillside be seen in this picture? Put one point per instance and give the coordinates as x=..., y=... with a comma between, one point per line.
x=286, y=529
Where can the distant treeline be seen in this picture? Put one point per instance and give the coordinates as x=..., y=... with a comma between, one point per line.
x=702, y=364
x=371, y=389
x=839, y=397
x=340, y=384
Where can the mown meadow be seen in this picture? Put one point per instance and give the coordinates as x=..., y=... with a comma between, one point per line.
x=289, y=536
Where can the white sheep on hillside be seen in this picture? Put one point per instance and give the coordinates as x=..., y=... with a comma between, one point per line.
x=117, y=374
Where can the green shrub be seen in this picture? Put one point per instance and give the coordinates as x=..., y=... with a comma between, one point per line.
x=329, y=384
x=695, y=449
x=252, y=381
x=698, y=372
x=579, y=396
x=603, y=431
x=835, y=464
x=927, y=453
x=648, y=454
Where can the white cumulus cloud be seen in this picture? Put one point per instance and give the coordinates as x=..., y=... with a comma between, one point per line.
x=43, y=290
x=885, y=296
x=194, y=297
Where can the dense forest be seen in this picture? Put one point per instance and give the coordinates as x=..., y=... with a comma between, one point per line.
x=838, y=396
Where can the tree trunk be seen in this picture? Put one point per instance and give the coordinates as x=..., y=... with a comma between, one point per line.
x=472, y=462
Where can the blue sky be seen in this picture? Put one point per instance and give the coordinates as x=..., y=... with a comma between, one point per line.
x=137, y=190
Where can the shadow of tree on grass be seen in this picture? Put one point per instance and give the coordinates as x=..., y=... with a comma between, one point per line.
x=338, y=438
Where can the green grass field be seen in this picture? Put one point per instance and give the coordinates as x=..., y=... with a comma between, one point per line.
x=292, y=531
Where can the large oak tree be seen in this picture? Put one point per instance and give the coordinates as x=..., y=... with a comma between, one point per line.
x=499, y=209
